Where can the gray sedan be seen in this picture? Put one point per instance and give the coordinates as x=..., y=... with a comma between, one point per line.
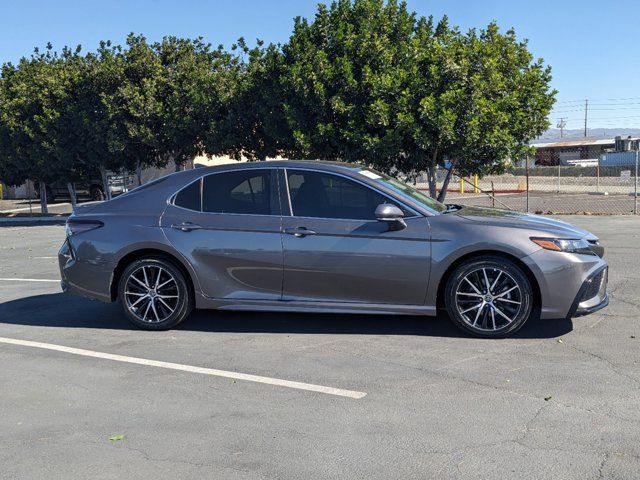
x=311, y=236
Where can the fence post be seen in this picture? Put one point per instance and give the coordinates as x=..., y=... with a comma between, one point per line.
x=598, y=175
x=558, y=175
x=526, y=171
x=635, y=188
x=493, y=195
x=29, y=195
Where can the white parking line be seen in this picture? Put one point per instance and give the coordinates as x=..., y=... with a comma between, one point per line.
x=188, y=368
x=28, y=280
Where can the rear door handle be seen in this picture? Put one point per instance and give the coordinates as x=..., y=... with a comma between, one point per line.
x=186, y=226
x=299, y=231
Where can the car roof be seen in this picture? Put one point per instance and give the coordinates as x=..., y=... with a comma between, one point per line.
x=320, y=164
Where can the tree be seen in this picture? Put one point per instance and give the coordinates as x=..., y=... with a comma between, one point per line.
x=478, y=98
x=368, y=81
x=254, y=125
x=100, y=140
x=34, y=95
x=345, y=82
x=134, y=108
x=195, y=84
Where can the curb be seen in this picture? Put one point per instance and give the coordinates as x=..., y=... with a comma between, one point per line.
x=32, y=221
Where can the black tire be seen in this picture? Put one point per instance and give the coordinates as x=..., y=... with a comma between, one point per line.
x=96, y=194
x=489, y=296
x=165, y=306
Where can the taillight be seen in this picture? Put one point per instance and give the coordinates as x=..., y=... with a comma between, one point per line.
x=80, y=225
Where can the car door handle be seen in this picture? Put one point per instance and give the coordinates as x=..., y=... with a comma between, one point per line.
x=299, y=231
x=186, y=226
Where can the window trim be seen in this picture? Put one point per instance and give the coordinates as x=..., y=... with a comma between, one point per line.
x=275, y=170
x=355, y=180
x=172, y=198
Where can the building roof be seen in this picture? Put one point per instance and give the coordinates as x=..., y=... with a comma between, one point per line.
x=583, y=142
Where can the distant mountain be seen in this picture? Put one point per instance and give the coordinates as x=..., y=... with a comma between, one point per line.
x=553, y=134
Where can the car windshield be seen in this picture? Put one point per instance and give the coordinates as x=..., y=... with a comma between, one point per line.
x=404, y=190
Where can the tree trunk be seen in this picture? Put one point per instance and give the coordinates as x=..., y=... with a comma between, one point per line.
x=431, y=174
x=445, y=185
x=105, y=183
x=72, y=195
x=431, y=178
x=44, y=208
x=139, y=172
x=177, y=163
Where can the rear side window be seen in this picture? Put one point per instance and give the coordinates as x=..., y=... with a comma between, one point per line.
x=249, y=192
x=189, y=197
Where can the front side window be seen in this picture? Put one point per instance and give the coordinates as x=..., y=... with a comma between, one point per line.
x=244, y=192
x=323, y=195
x=404, y=190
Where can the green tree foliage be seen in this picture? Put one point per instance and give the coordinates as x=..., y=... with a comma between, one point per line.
x=255, y=125
x=36, y=119
x=345, y=82
x=196, y=85
x=368, y=81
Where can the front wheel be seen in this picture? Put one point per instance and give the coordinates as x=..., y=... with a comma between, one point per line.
x=489, y=296
x=154, y=294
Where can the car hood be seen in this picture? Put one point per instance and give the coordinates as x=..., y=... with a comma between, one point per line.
x=510, y=218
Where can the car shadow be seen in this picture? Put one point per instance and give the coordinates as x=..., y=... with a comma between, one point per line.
x=66, y=311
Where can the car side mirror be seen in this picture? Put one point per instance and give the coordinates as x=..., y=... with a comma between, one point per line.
x=392, y=215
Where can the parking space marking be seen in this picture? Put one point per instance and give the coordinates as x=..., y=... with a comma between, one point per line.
x=188, y=368
x=28, y=280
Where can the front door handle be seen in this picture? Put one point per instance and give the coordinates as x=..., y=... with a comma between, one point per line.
x=299, y=231
x=186, y=226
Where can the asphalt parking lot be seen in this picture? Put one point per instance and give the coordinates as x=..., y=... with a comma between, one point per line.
x=561, y=400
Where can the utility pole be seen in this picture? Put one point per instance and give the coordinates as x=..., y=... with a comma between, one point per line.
x=562, y=122
x=586, y=108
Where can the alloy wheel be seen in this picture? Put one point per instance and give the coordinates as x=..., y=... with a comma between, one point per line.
x=488, y=299
x=151, y=294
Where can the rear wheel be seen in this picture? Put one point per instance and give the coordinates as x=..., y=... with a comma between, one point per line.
x=489, y=296
x=96, y=194
x=154, y=294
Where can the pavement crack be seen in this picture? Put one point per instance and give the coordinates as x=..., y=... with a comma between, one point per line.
x=611, y=365
x=605, y=457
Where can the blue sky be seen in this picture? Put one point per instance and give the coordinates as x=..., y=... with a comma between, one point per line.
x=591, y=45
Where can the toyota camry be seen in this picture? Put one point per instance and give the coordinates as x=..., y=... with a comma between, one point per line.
x=310, y=236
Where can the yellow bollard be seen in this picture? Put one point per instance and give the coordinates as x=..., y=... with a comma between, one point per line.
x=461, y=185
x=1, y=191
x=475, y=184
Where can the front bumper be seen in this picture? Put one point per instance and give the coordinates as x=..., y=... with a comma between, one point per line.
x=592, y=295
x=566, y=283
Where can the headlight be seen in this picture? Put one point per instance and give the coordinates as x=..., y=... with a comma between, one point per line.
x=564, y=245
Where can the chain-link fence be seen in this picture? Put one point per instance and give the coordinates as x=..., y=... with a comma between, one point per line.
x=597, y=189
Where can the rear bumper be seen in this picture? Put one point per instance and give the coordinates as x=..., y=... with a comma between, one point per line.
x=86, y=279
